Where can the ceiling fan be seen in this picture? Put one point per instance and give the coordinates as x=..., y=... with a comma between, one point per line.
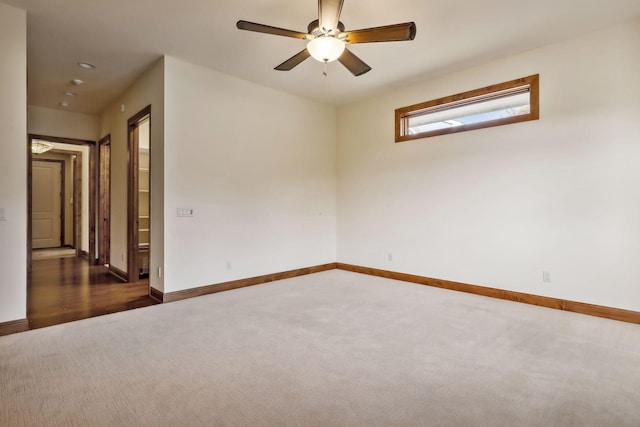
x=327, y=38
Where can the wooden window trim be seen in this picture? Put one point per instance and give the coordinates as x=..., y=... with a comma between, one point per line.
x=403, y=114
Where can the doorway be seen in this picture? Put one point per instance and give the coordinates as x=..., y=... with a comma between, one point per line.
x=139, y=196
x=65, y=287
x=77, y=206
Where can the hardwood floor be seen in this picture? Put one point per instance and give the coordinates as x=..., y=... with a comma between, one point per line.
x=67, y=289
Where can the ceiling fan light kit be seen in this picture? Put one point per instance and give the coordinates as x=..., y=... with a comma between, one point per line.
x=325, y=48
x=327, y=39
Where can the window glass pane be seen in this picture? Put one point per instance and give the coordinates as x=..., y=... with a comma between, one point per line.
x=471, y=113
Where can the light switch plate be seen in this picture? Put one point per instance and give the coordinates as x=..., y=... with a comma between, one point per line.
x=184, y=212
x=2, y=215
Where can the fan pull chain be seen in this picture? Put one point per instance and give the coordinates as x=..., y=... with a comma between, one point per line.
x=325, y=69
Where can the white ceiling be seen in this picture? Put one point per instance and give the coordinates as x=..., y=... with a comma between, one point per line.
x=124, y=37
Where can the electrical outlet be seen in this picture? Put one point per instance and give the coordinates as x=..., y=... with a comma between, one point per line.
x=546, y=277
x=159, y=271
x=390, y=257
x=228, y=265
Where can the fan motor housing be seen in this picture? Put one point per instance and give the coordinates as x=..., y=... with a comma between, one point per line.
x=314, y=28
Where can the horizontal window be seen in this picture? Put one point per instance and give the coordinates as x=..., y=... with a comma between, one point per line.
x=501, y=104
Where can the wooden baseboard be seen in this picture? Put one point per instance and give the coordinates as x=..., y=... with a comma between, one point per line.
x=7, y=328
x=156, y=294
x=84, y=254
x=559, y=304
x=114, y=271
x=241, y=283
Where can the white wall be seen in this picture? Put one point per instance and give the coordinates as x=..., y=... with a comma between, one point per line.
x=498, y=206
x=148, y=90
x=13, y=163
x=258, y=168
x=63, y=124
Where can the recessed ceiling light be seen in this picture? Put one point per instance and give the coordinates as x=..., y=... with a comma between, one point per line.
x=77, y=82
x=64, y=104
x=86, y=65
x=69, y=93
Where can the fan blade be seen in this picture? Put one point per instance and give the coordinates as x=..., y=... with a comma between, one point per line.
x=329, y=13
x=389, y=33
x=353, y=63
x=267, y=29
x=293, y=61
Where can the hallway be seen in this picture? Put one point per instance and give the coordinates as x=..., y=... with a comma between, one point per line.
x=66, y=289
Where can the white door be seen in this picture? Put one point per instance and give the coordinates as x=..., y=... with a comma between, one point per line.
x=46, y=209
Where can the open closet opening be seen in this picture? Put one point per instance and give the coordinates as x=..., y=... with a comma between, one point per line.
x=139, y=212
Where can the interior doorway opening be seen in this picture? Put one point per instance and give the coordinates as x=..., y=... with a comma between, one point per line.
x=139, y=196
x=67, y=286
x=61, y=196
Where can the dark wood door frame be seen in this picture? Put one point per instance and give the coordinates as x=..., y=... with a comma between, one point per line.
x=92, y=191
x=132, y=193
x=104, y=200
x=77, y=202
x=77, y=196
